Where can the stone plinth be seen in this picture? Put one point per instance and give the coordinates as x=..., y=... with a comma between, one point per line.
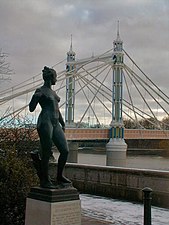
x=53, y=207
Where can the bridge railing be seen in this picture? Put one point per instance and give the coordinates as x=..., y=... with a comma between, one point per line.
x=77, y=134
x=87, y=134
x=104, y=133
x=146, y=134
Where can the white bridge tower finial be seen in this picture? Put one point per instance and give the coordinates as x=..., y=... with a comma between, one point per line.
x=70, y=87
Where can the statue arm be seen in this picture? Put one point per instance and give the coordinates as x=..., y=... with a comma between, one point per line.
x=34, y=101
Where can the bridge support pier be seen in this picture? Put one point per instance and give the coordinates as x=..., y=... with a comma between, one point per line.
x=116, y=152
x=73, y=152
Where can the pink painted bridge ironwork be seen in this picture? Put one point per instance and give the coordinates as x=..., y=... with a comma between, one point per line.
x=83, y=134
x=100, y=134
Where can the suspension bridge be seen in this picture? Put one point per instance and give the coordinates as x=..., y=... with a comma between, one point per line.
x=98, y=94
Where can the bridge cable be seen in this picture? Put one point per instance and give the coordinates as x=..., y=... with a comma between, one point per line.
x=5, y=99
x=71, y=74
x=21, y=93
x=146, y=84
x=26, y=92
x=137, y=78
x=7, y=90
x=131, y=100
x=146, y=75
x=92, y=59
x=95, y=87
x=95, y=78
x=83, y=86
x=89, y=102
x=111, y=102
x=141, y=95
x=93, y=98
x=95, y=94
x=141, y=115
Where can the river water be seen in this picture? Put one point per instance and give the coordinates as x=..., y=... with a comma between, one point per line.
x=143, y=162
x=153, y=162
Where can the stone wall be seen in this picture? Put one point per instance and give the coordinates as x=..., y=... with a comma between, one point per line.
x=121, y=183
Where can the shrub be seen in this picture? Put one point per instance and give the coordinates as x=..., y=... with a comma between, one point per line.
x=16, y=179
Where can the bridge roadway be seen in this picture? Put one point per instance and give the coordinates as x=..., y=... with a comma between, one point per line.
x=103, y=134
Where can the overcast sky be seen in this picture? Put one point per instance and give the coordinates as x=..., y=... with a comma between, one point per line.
x=37, y=33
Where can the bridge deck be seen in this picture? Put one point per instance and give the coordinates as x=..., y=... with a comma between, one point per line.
x=78, y=134
x=99, y=134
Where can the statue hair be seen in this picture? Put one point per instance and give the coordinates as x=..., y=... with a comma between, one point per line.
x=47, y=73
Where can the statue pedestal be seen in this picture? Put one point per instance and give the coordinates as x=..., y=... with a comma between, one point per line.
x=53, y=207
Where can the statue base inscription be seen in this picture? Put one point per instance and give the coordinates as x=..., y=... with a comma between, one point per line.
x=53, y=207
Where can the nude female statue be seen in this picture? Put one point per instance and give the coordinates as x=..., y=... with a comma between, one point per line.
x=49, y=128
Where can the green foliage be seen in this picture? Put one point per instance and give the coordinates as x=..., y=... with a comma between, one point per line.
x=16, y=179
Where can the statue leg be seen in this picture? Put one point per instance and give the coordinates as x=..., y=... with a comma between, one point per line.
x=62, y=146
x=36, y=162
x=45, y=134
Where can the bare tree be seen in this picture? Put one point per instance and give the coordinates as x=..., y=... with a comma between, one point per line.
x=5, y=70
x=165, y=122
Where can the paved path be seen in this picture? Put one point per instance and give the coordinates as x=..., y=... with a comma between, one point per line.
x=97, y=210
x=90, y=221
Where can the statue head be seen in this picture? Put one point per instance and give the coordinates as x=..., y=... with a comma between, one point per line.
x=49, y=74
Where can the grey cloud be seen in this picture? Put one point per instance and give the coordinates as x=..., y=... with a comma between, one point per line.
x=37, y=33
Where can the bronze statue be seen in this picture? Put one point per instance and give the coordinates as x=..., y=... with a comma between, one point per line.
x=49, y=129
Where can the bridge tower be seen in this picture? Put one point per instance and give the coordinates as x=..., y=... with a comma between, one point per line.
x=116, y=147
x=70, y=88
x=70, y=102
